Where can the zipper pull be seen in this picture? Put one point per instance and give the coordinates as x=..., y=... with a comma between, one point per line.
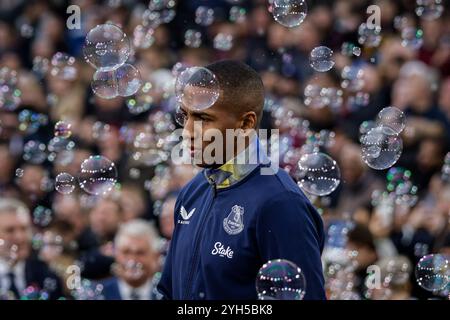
x=213, y=185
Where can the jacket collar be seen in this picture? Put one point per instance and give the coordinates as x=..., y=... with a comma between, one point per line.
x=239, y=167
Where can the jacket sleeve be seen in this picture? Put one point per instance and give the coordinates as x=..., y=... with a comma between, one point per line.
x=165, y=284
x=288, y=227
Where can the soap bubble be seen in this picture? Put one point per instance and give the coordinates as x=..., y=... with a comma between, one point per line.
x=87, y=290
x=128, y=80
x=433, y=272
x=237, y=14
x=104, y=84
x=9, y=93
x=197, y=88
x=317, y=174
x=63, y=66
x=352, y=78
x=133, y=269
x=19, y=172
x=64, y=183
x=370, y=36
x=42, y=216
x=98, y=175
x=204, y=16
x=148, y=150
x=100, y=130
x=401, y=188
x=349, y=49
x=332, y=97
x=412, y=38
x=30, y=121
x=40, y=66
x=289, y=13
x=34, y=152
x=143, y=36
x=106, y=47
x=321, y=59
x=8, y=253
x=63, y=129
x=445, y=171
x=393, y=118
x=193, y=38
x=381, y=148
x=280, y=280
x=159, y=12
x=360, y=99
x=429, y=9
x=123, y=81
x=223, y=41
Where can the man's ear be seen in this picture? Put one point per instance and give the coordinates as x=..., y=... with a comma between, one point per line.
x=249, y=120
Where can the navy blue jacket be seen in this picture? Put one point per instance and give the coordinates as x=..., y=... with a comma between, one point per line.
x=38, y=273
x=218, y=248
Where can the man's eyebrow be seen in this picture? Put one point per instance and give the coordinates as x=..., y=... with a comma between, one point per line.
x=196, y=113
x=200, y=114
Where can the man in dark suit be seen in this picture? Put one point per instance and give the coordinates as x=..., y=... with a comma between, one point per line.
x=136, y=263
x=19, y=266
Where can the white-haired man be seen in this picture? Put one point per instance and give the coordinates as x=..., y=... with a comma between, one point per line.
x=19, y=266
x=136, y=262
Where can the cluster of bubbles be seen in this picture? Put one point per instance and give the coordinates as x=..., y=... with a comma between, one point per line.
x=8, y=252
x=237, y=14
x=88, y=290
x=10, y=95
x=433, y=272
x=382, y=145
x=157, y=89
x=445, y=171
x=34, y=152
x=339, y=262
x=289, y=13
x=197, y=88
x=61, y=66
x=204, y=16
x=399, y=189
x=107, y=49
x=133, y=269
x=394, y=271
x=349, y=49
x=280, y=280
x=30, y=121
x=152, y=145
x=429, y=9
x=318, y=97
x=193, y=38
x=158, y=12
x=223, y=41
x=336, y=241
x=60, y=150
x=353, y=83
x=42, y=216
x=369, y=35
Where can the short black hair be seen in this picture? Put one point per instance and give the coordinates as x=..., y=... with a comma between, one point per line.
x=242, y=89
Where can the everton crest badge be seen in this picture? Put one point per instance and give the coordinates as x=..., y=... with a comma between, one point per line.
x=233, y=223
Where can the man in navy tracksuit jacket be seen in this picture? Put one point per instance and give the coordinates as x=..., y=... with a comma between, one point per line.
x=231, y=219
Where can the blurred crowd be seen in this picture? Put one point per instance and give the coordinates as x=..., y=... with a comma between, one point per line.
x=82, y=246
